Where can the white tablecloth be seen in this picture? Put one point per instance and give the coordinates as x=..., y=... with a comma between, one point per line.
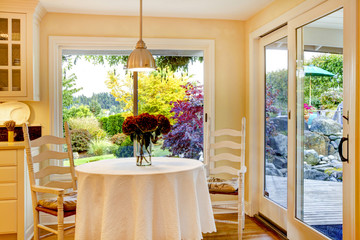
x=119, y=200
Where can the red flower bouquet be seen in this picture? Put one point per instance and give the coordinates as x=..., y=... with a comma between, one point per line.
x=145, y=128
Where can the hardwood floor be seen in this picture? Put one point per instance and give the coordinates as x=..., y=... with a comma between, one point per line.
x=253, y=230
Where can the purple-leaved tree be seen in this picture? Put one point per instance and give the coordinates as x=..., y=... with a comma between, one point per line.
x=186, y=136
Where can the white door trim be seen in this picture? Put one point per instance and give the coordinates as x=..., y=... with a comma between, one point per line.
x=58, y=43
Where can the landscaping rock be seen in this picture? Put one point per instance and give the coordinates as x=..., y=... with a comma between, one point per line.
x=311, y=157
x=337, y=175
x=332, y=179
x=281, y=123
x=284, y=172
x=326, y=126
x=331, y=149
x=270, y=166
x=333, y=137
x=315, y=175
x=334, y=144
x=316, y=141
x=279, y=144
x=280, y=162
x=273, y=172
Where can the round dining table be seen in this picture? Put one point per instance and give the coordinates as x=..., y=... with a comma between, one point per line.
x=119, y=200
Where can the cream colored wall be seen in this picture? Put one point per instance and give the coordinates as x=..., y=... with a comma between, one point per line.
x=229, y=41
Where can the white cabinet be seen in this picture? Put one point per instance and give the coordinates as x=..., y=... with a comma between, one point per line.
x=12, y=55
x=19, y=50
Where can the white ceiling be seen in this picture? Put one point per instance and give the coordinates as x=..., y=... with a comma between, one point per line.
x=208, y=9
x=331, y=21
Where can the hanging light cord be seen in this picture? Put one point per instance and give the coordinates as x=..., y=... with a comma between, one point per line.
x=140, y=19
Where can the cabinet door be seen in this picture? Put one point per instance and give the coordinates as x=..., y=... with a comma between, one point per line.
x=12, y=55
x=8, y=224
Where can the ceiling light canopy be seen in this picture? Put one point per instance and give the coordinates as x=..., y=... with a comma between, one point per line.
x=140, y=59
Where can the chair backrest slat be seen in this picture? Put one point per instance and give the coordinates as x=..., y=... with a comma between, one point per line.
x=59, y=184
x=225, y=156
x=52, y=170
x=224, y=169
x=50, y=155
x=227, y=144
x=47, y=140
x=227, y=132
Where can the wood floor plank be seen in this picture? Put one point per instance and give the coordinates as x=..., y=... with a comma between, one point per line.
x=253, y=230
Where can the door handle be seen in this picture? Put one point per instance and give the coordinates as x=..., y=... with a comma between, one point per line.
x=340, y=148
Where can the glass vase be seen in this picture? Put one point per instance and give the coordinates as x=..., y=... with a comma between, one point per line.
x=143, y=154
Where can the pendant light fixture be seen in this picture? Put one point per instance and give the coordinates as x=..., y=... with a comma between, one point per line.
x=140, y=59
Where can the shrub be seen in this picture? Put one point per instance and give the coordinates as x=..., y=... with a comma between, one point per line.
x=89, y=123
x=80, y=140
x=112, y=124
x=118, y=139
x=76, y=112
x=124, y=151
x=100, y=147
x=186, y=137
x=127, y=142
x=331, y=99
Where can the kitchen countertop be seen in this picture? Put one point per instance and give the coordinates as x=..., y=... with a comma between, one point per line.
x=11, y=145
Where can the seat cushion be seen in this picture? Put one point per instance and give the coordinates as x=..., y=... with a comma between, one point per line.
x=222, y=185
x=69, y=202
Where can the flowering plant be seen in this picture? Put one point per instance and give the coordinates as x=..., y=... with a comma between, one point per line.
x=145, y=128
x=308, y=109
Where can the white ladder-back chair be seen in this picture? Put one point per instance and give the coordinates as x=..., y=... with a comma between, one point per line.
x=225, y=160
x=64, y=204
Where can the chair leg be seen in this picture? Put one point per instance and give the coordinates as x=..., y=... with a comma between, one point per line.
x=36, y=222
x=60, y=218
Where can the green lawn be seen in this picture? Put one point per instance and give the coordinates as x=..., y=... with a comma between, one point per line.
x=157, y=152
x=90, y=159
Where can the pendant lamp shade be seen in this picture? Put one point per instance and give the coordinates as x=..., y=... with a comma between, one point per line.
x=140, y=59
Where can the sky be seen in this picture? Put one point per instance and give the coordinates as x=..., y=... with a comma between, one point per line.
x=278, y=59
x=92, y=77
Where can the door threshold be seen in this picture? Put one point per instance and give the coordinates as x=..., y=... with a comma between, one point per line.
x=273, y=226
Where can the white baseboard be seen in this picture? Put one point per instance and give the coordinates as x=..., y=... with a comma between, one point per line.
x=29, y=232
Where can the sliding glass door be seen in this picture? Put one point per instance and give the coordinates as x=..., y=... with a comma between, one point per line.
x=319, y=174
x=317, y=101
x=305, y=125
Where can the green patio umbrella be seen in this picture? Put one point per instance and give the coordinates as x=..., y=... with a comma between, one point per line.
x=316, y=72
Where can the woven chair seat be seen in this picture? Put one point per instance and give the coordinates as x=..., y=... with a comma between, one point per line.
x=70, y=200
x=222, y=186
